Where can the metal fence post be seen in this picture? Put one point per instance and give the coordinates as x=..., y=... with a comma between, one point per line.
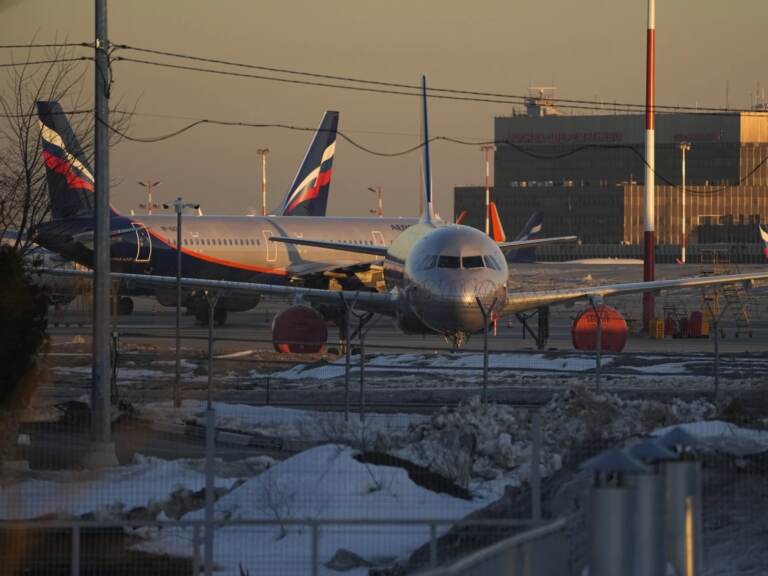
x=484, y=312
x=362, y=375
x=595, y=303
x=75, y=561
x=195, y=550
x=535, y=480
x=315, y=549
x=432, y=545
x=715, y=323
x=210, y=447
x=348, y=357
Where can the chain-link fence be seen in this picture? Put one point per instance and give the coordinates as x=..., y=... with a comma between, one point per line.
x=409, y=457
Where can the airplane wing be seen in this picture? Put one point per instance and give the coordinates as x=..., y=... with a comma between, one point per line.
x=520, y=301
x=309, y=268
x=384, y=303
x=380, y=251
x=516, y=244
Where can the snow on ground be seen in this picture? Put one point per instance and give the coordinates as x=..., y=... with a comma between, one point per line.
x=465, y=365
x=108, y=493
x=124, y=373
x=324, y=482
x=603, y=261
x=724, y=436
x=287, y=423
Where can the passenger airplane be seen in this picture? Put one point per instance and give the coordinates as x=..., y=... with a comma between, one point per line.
x=234, y=248
x=531, y=230
x=444, y=278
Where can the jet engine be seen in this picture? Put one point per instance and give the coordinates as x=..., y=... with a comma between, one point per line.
x=300, y=330
x=613, y=329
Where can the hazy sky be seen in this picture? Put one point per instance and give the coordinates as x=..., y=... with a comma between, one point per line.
x=587, y=48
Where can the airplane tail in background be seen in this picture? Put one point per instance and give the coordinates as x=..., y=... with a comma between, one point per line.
x=531, y=230
x=308, y=196
x=764, y=238
x=70, y=178
x=497, y=230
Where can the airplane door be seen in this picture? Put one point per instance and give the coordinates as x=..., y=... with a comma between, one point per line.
x=143, y=243
x=378, y=238
x=271, y=247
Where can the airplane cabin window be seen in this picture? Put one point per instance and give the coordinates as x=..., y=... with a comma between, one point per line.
x=448, y=262
x=472, y=262
x=491, y=262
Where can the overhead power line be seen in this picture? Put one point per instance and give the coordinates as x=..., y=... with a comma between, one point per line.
x=37, y=62
x=62, y=113
x=483, y=96
x=52, y=45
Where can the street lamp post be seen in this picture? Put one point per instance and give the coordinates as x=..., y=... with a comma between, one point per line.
x=684, y=147
x=149, y=184
x=263, y=153
x=487, y=152
x=178, y=206
x=380, y=206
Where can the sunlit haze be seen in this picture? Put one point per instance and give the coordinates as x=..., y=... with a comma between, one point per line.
x=589, y=50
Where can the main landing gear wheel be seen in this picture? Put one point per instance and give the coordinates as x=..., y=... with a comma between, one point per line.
x=125, y=306
x=201, y=315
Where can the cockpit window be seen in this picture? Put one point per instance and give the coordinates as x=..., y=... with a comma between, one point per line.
x=448, y=262
x=472, y=262
x=429, y=262
x=491, y=262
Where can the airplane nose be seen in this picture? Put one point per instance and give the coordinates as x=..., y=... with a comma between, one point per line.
x=454, y=305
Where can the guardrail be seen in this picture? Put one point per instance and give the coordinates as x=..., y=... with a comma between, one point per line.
x=541, y=551
x=78, y=562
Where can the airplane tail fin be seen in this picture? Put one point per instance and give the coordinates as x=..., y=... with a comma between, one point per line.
x=497, y=230
x=428, y=214
x=308, y=195
x=764, y=238
x=69, y=175
x=530, y=231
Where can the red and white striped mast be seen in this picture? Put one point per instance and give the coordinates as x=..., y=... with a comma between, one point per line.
x=649, y=303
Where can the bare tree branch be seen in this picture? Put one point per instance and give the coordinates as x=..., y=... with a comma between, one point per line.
x=24, y=200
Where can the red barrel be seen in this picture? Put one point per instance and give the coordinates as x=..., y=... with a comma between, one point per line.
x=300, y=330
x=614, y=330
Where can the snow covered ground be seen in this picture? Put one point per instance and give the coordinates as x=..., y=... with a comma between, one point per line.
x=309, y=426
x=108, y=494
x=463, y=365
x=324, y=482
x=480, y=449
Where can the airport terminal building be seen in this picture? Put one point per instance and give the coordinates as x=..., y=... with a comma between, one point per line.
x=586, y=172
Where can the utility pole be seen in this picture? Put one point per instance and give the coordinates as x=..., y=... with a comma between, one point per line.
x=149, y=184
x=263, y=153
x=178, y=205
x=649, y=241
x=684, y=147
x=487, y=151
x=102, y=451
x=380, y=206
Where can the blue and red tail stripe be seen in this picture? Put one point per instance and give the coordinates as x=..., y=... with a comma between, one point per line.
x=308, y=195
x=70, y=178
